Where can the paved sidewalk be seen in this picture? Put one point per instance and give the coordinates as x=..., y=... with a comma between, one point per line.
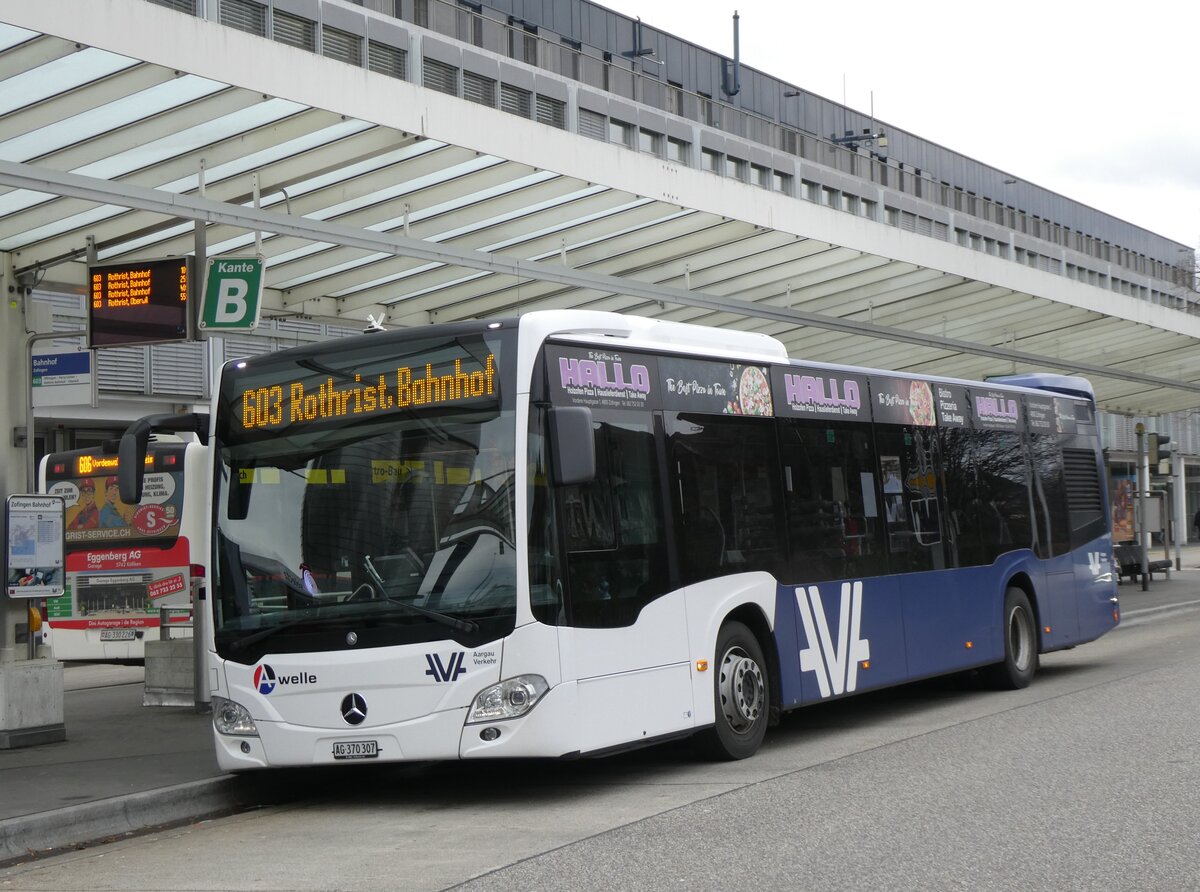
x=125, y=767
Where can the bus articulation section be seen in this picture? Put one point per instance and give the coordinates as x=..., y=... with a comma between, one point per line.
x=125, y=560
x=575, y=533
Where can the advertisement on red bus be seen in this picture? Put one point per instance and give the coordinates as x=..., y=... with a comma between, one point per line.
x=124, y=562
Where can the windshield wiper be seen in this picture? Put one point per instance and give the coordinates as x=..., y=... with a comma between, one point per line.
x=459, y=625
x=242, y=643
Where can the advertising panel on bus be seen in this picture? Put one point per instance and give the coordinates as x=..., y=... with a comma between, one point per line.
x=124, y=562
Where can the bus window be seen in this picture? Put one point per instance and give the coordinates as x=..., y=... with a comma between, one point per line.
x=612, y=526
x=1050, y=495
x=545, y=550
x=964, y=547
x=908, y=471
x=725, y=482
x=832, y=507
x=1003, y=496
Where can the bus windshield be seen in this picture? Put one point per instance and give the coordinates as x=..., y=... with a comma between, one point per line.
x=372, y=526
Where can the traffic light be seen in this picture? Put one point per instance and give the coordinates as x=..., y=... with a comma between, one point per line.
x=1158, y=449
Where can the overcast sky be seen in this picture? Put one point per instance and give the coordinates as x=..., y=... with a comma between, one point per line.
x=1095, y=101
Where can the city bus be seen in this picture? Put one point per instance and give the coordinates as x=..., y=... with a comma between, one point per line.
x=126, y=560
x=574, y=533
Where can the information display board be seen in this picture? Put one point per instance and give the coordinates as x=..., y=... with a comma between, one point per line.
x=142, y=302
x=33, y=558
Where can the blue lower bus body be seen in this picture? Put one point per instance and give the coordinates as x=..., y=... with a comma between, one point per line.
x=848, y=636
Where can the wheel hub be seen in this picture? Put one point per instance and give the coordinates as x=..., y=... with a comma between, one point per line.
x=742, y=689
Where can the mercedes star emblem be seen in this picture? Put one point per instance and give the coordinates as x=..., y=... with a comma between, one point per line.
x=354, y=709
x=352, y=638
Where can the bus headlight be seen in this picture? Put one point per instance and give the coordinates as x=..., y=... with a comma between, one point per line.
x=509, y=699
x=232, y=718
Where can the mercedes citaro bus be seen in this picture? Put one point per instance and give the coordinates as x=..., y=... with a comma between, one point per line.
x=573, y=532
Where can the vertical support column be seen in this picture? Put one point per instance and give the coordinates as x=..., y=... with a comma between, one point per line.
x=1181, y=518
x=31, y=691
x=1142, y=533
x=15, y=437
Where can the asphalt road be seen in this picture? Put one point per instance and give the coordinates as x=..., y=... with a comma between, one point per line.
x=1086, y=780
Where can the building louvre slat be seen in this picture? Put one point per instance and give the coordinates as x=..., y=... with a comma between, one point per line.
x=341, y=45
x=178, y=369
x=552, y=112
x=480, y=89
x=294, y=31
x=122, y=369
x=515, y=101
x=388, y=60
x=593, y=124
x=188, y=6
x=245, y=15
x=441, y=77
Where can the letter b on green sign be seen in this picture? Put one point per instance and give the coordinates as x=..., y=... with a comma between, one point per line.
x=232, y=294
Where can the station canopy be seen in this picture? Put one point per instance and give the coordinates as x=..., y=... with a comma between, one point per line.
x=363, y=216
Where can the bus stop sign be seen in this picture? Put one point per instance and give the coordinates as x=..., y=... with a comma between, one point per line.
x=34, y=552
x=232, y=294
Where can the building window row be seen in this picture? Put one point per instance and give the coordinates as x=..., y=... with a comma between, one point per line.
x=466, y=20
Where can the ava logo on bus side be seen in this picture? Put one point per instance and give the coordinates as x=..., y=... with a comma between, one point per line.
x=834, y=663
x=265, y=679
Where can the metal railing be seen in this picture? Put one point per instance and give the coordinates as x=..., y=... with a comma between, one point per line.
x=166, y=623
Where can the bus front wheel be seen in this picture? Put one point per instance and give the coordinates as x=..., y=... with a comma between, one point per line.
x=1020, y=643
x=741, y=690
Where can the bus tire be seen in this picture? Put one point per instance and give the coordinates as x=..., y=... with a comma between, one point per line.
x=1020, y=643
x=742, y=695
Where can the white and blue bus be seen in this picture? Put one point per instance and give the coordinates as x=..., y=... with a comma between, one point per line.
x=573, y=533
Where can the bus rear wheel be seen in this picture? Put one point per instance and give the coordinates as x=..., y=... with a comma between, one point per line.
x=1020, y=643
x=742, y=695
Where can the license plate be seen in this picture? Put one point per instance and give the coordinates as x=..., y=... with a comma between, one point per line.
x=356, y=749
x=117, y=635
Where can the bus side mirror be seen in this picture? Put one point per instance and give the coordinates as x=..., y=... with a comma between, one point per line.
x=572, y=444
x=131, y=454
x=131, y=461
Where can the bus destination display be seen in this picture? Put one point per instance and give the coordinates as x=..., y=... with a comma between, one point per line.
x=138, y=303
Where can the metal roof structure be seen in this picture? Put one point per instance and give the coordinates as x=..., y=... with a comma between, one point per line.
x=123, y=123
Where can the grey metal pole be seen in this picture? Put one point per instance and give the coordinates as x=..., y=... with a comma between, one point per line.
x=1180, y=512
x=1143, y=483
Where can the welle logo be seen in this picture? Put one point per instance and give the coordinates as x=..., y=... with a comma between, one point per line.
x=834, y=663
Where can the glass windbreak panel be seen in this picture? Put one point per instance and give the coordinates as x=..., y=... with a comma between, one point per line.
x=366, y=487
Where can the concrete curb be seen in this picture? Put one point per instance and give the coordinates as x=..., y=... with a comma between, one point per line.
x=64, y=828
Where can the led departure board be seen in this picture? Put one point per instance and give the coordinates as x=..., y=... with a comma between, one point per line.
x=139, y=303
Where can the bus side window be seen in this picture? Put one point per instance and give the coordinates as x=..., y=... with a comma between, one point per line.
x=909, y=468
x=546, y=578
x=612, y=526
x=832, y=506
x=725, y=485
x=964, y=547
x=1004, y=500
x=1050, y=495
